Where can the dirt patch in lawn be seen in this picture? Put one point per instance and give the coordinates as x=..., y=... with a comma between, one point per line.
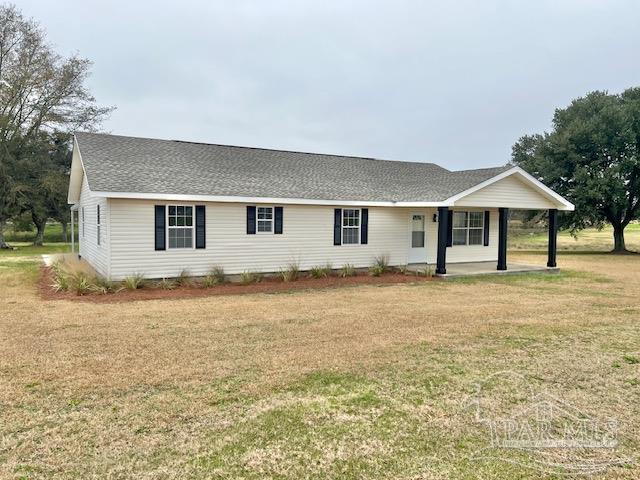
x=266, y=285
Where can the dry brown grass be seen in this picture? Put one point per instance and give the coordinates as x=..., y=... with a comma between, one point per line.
x=359, y=382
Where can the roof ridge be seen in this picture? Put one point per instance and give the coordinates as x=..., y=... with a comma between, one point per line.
x=267, y=149
x=507, y=165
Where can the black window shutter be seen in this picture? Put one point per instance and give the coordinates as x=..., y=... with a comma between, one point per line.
x=160, y=228
x=201, y=239
x=364, y=227
x=337, y=226
x=251, y=220
x=277, y=226
x=487, y=215
x=450, y=229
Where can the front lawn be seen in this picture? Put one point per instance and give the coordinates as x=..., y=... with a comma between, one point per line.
x=364, y=382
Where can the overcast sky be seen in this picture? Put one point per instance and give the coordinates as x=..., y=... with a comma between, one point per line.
x=450, y=82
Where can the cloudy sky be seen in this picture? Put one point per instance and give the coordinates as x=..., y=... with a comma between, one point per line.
x=453, y=82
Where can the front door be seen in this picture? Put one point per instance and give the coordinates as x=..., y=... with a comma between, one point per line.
x=417, y=243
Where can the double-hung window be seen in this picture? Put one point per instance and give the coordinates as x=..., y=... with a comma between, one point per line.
x=83, y=228
x=350, y=226
x=98, y=224
x=264, y=220
x=468, y=228
x=180, y=226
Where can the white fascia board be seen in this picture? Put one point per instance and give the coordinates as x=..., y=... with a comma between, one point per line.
x=274, y=200
x=564, y=203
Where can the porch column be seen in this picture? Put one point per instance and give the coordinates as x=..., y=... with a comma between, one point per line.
x=502, y=238
x=553, y=237
x=443, y=231
x=73, y=234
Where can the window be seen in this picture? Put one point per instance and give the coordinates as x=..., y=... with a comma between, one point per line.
x=417, y=231
x=468, y=228
x=180, y=226
x=350, y=226
x=98, y=224
x=83, y=230
x=264, y=220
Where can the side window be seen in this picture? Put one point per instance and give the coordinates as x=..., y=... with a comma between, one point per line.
x=98, y=224
x=180, y=226
x=350, y=226
x=264, y=220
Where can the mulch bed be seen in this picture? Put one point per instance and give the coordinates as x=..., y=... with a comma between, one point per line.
x=267, y=285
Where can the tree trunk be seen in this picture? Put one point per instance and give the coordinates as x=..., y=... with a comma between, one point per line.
x=3, y=244
x=40, y=226
x=65, y=234
x=618, y=239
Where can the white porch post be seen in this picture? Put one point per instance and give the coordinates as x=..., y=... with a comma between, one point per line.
x=73, y=234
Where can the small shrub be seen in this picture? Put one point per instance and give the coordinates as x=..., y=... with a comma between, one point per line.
x=380, y=266
x=184, y=279
x=348, y=270
x=290, y=273
x=166, y=284
x=381, y=262
x=376, y=270
x=134, y=282
x=60, y=281
x=209, y=281
x=218, y=274
x=320, y=271
x=80, y=284
x=102, y=286
x=248, y=277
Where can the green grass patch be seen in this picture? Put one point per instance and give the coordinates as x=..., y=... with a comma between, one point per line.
x=27, y=250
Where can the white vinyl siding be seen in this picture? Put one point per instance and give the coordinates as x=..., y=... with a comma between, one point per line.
x=307, y=239
x=96, y=254
x=510, y=192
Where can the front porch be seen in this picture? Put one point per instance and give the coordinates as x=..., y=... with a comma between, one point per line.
x=445, y=241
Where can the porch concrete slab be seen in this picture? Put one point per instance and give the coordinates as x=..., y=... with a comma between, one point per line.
x=484, y=268
x=490, y=268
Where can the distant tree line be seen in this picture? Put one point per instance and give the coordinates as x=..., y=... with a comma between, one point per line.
x=43, y=99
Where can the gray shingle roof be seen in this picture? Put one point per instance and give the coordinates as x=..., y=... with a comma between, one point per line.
x=140, y=165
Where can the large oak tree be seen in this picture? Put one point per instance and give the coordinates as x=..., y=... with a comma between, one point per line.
x=591, y=156
x=43, y=99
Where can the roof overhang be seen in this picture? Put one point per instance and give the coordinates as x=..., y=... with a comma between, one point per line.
x=243, y=199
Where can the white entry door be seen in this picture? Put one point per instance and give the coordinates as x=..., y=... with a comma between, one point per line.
x=417, y=239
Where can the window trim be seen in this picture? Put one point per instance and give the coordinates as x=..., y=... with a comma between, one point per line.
x=83, y=223
x=343, y=227
x=193, y=226
x=273, y=219
x=98, y=224
x=467, y=229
